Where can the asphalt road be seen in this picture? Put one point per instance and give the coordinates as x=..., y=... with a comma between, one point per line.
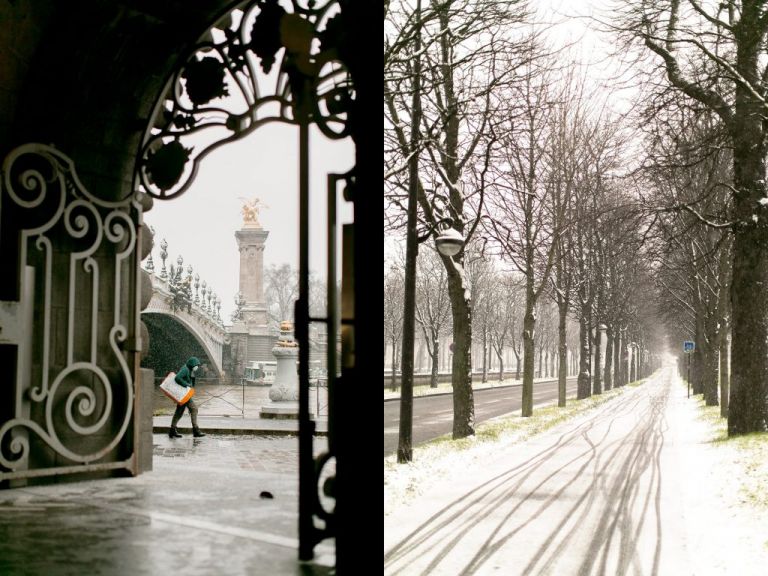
x=433, y=415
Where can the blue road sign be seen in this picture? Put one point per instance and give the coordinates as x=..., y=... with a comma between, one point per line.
x=689, y=346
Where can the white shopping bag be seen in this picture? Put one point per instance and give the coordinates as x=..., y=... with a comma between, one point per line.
x=175, y=391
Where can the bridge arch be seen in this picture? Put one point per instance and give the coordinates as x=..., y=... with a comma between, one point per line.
x=174, y=340
x=178, y=333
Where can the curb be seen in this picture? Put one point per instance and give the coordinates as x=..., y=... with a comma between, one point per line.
x=450, y=393
x=234, y=431
x=480, y=389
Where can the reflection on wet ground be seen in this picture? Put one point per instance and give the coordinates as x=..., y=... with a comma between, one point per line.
x=200, y=511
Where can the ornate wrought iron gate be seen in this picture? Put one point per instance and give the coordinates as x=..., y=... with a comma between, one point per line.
x=266, y=61
x=68, y=321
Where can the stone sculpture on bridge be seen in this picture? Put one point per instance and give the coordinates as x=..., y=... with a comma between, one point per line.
x=251, y=210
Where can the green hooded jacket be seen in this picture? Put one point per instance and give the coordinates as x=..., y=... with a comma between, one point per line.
x=185, y=377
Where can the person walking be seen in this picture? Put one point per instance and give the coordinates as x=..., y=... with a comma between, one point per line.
x=186, y=377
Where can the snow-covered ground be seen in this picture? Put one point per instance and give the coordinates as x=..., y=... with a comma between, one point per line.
x=708, y=500
x=438, y=461
x=725, y=498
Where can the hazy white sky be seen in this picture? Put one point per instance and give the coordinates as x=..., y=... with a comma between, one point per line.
x=200, y=225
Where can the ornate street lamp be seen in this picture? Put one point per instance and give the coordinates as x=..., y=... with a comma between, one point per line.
x=449, y=242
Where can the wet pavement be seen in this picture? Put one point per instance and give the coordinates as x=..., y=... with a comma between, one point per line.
x=236, y=410
x=200, y=511
x=219, y=400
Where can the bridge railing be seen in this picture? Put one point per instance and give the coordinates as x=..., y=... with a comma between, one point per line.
x=204, y=300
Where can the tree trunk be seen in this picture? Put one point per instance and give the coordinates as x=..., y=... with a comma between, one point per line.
x=562, y=350
x=584, y=381
x=596, y=378
x=485, y=356
x=617, y=358
x=393, y=381
x=529, y=325
x=608, y=358
x=541, y=358
x=697, y=362
x=709, y=370
x=552, y=362
x=435, y=360
x=501, y=364
x=724, y=370
x=490, y=358
x=517, y=363
x=749, y=353
x=723, y=335
x=461, y=378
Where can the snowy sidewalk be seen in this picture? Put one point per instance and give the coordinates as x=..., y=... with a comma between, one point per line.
x=631, y=487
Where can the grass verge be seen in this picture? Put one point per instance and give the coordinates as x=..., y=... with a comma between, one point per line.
x=751, y=452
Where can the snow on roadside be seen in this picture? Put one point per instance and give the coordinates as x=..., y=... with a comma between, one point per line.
x=441, y=460
x=727, y=525
x=724, y=501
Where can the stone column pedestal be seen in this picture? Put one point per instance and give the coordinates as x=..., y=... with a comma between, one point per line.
x=284, y=392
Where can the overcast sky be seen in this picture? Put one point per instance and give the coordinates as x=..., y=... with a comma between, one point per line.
x=200, y=225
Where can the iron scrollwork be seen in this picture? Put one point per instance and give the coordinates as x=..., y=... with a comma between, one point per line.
x=267, y=61
x=69, y=392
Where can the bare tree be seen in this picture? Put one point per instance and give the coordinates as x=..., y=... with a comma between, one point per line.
x=281, y=288
x=467, y=53
x=521, y=222
x=506, y=311
x=546, y=314
x=432, y=306
x=481, y=276
x=393, y=315
x=695, y=253
x=565, y=152
x=712, y=54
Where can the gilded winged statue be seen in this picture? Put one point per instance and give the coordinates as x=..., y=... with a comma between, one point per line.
x=251, y=209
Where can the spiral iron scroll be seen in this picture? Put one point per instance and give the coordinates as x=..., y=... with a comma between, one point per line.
x=40, y=184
